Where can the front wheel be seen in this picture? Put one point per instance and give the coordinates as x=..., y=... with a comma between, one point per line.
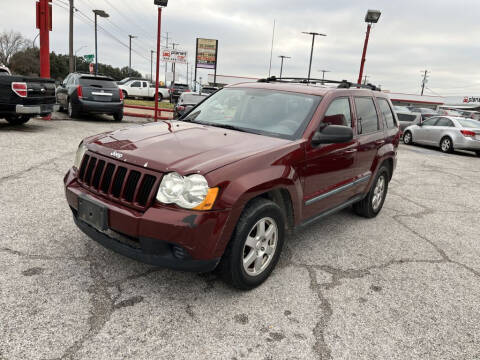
x=255, y=246
x=407, y=138
x=371, y=205
x=478, y=153
x=446, y=145
x=160, y=97
x=17, y=119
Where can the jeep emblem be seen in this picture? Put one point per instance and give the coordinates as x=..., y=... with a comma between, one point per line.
x=116, y=154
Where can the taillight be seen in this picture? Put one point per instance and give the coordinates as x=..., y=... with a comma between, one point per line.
x=20, y=88
x=170, y=91
x=120, y=92
x=180, y=108
x=467, y=133
x=79, y=91
x=188, y=90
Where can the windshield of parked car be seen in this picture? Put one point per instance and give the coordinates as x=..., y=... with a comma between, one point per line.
x=261, y=111
x=467, y=123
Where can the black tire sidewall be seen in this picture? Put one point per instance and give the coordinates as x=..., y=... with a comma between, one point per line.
x=248, y=220
x=382, y=171
x=411, y=138
x=450, y=149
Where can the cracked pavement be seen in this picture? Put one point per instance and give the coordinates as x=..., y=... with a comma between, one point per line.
x=405, y=285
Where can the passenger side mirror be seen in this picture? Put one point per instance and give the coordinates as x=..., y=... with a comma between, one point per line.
x=332, y=134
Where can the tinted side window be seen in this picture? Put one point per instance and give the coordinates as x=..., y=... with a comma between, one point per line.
x=366, y=115
x=444, y=122
x=145, y=84
x=387, y=113
x=406, y=117
x=338, y=113
x=430, y=121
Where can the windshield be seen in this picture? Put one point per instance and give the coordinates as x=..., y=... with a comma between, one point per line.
x=267, y=112
x=467, y=123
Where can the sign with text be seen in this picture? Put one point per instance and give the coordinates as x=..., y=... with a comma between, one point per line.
x=174, y=56
x=89, y=58
x=207, y=50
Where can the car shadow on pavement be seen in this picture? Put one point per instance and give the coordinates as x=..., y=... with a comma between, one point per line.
x=437, y=151
x=25, y=128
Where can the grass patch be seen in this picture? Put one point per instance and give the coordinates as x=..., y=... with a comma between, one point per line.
x=162, y=104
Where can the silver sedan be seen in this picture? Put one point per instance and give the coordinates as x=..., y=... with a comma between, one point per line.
x=446, y=132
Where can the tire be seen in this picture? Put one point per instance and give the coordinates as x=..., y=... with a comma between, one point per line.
x=446, y=144
x=118, y=116
x=125, y=94
x=371, y=205
x=478, y=153
x=72, y=113
x=160, y=97
x=231, y=267
x=17, y=119
x=408, y=138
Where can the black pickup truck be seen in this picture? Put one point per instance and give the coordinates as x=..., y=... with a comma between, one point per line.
x=24, y=97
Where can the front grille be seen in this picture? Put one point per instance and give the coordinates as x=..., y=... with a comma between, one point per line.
x=120, y=182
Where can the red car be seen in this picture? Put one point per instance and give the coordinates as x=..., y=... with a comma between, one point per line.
x=220, y=187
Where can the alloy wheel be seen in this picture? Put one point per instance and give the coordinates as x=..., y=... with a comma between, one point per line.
x=378, y=193
x=260, y=246
x=446, y=144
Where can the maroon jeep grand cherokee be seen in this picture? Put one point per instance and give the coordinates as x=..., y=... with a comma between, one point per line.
x=220, y=187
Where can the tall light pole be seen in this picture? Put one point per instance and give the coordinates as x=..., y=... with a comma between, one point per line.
x=130, y=37
x=75, y=57
x=151, y=64
x=281, y=64
x=323, y=74
x=103, y=14
x=160, y=4
x=371, y=18
x=71, y=59
x=311, y=52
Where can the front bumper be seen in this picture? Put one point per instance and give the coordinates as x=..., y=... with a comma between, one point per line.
x=99, y=107
x=163, y=236
x=36, y=109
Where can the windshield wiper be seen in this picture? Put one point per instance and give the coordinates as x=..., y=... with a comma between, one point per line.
x=229, y=127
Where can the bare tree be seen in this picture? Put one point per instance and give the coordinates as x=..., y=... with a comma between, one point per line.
x=11, y=43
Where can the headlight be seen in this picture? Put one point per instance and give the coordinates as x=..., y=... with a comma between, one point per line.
x=82, y=149
x=190, y=192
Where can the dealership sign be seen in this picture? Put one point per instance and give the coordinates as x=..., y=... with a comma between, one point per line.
x=207, y=50
x=471, y=99
x=174, y=56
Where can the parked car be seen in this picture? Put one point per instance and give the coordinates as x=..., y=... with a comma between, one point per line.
x=128, y=79
x=187, y=102
x=143, y=89
x=85, y=93
x=470, y=114
x=407, y=119
x=449, y=112
x=446, y=132
x=22, y=97
x=402, y=109
x=176, y=90
x=426, y=112
x=220, y=187
x=209, y=89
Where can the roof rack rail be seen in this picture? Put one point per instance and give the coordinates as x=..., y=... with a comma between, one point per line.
x=344, y=84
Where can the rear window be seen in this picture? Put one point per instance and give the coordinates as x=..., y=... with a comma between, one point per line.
x=96, y=82
x=192, y=99
x=406, y=117
x=467, y=123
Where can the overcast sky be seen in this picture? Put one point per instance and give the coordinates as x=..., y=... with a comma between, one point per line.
x=438, y=35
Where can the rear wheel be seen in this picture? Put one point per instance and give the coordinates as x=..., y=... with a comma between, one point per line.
x=124, y=94
x=446, y=144
x=72, y=113
x=478, y=153
x=371, y=205
x=407, y=138
x=255, y=246
x=17, y=119
x=160, y=97
x=118, y=116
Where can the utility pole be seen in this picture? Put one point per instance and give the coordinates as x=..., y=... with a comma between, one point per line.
x=323, y=75
x=311, y=51
x=271, y=49
x=424, y=81
x=281, y=64
x=151, y=65
x=365, y=77
x=70, y=40
x=166, y=69
x=130, y=37
x=173, y=64
x=187, y=73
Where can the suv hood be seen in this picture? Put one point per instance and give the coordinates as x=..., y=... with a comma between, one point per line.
x=180, y=146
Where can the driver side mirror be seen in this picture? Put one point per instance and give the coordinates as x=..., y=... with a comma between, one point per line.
x=332, y=134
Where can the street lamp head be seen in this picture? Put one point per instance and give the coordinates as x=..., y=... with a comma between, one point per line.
x=313, y=33
x=161, y=2
x=101, y=13
x=372, y=16
x=284, y=57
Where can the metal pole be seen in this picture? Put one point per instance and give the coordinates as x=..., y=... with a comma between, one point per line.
x=151, y=65
x=158, y=61
x=364, y=53
x=71, y=59
x=281, y=66
x=130, y=54
x=166, y=69
x=424, y=81
x=187, y=74
x=44, y=8
x=311, y=56
x=96, y=57
x=196, y=57
x=216, y=61
x=271, y=49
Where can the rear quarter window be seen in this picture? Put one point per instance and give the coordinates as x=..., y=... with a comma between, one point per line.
x=367, y=117
x=387, y=113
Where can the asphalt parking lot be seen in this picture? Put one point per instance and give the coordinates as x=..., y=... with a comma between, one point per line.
x=405, y=285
